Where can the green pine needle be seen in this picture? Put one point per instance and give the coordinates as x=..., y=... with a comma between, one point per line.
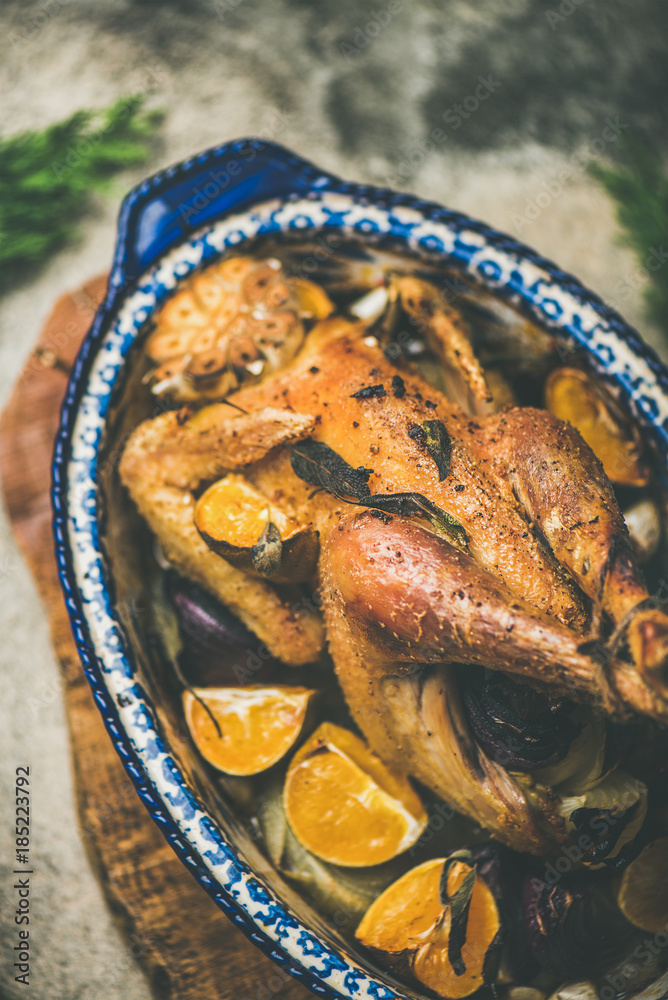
x=47, y=178
x=639, y=186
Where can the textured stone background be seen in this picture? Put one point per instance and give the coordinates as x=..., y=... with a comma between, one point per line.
x=361, y=95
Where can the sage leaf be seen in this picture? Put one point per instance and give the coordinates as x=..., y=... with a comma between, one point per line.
x=437, y=443
x=267, y=552
x=459, y=904
x=318, y=464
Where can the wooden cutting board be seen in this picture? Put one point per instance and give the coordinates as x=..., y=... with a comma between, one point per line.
x=187, y=945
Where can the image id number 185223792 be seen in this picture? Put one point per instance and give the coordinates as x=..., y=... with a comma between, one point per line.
x=21, y=886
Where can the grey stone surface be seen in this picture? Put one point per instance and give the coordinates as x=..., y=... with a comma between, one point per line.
x=362, y=88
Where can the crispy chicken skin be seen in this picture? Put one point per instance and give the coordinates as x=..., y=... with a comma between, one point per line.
x=531, y=454
x=164, y=459
x=543, y=531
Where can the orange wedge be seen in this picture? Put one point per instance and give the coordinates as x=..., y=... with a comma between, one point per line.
x=240, y=524
x=345, y=806
x=258, y=725
x=444, y=939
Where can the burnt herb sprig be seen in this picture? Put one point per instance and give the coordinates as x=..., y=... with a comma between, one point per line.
x=318, y=464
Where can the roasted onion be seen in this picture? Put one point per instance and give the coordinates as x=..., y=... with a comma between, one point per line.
x=517, y=726
x=217, y=647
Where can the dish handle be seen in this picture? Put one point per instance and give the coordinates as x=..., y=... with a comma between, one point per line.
x=166, y=207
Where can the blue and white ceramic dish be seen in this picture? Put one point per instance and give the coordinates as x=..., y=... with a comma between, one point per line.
x=228, y=199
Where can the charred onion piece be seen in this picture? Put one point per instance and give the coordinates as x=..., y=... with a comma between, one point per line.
x=217, y=648
x=643, y=520
x=573, y=928
x=517, y=726
x=606, y=820
x=643, y=891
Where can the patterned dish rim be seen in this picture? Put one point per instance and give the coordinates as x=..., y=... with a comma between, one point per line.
x=169, y=224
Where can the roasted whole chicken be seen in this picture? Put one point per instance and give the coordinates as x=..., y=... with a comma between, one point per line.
x=418, y=535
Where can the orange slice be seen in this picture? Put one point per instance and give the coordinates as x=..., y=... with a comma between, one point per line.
x=412, y=924
x=345, y=806
x=258, y=725
x=578, y=398
x=253, y=534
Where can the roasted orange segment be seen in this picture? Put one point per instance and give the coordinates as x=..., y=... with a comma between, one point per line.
x=256, y=725
x=440, y=919
x=313, y=300
x=576, y=397
x=245, y=528
x=345, y=806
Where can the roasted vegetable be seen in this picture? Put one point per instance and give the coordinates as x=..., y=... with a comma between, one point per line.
x=643, y=892
x=313, y=301
x=594, y=753
x=607, y=819
x=643, y=520
x=230, y=324
x=578, y=398
x=517, y=726
x=216, y=648
x=253, y=534
x=574, y=930
x=440, y=922
x=345, y=806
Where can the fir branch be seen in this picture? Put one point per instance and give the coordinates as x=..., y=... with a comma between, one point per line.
x=639, y=186
x=47, y=178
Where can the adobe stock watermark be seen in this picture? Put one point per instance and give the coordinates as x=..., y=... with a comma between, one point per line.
x=219, y=179
x=449, y=291
x=644, y=953
x=577, y=164
x=363, y=35
x=324, y=247
x=224, y=7
x=441, y=814
x=634, y=281
x=34, y=21
x=81, y=150
x=562, y=13
x=454, y=117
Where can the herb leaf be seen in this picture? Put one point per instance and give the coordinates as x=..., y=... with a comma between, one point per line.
x=370, y=392
x=437, y=443
x=316, y=463
x=459, y=913
x=417, y=505
x=267, y=552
